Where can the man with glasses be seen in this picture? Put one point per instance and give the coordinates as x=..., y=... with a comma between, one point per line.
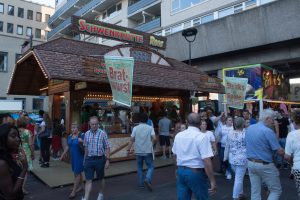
x=261, y=143
x=96, y=156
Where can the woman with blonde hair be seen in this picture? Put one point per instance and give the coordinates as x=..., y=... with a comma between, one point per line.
x=75, y=146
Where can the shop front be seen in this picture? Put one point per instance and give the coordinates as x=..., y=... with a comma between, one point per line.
x=266, y=87
x=72, y=73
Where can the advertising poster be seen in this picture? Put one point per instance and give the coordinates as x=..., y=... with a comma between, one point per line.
x=120, y=75
x=253, y=73
x=235, y=91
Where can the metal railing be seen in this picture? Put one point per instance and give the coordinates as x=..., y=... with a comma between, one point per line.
x=62, y=10
x=139, y=5
x=59, y=28
x=149, y=25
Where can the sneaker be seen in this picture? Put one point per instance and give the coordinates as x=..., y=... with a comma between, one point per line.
x=148, y=185
x=228, y=176
x=100, y=196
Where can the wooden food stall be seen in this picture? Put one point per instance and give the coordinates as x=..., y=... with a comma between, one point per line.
x=72, y=73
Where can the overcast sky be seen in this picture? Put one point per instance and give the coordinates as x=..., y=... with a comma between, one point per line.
x=46, y=2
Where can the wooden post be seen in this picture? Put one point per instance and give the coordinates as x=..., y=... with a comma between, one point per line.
x=68, y=120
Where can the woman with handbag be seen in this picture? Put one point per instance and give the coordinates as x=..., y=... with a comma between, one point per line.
x=75, y=146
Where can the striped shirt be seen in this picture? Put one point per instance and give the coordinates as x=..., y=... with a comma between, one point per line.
x=96, y=143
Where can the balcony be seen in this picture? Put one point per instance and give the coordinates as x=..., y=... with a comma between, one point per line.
x=94, y=7
x=60, y=28
x=142, y=4
x=66, y=11
x=146, y=27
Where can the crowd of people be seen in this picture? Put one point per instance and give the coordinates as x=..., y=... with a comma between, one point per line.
x=241, y=143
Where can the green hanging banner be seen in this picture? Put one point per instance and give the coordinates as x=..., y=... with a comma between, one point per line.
x=120, y=75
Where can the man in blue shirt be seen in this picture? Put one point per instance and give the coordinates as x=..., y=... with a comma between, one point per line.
x=261, y=144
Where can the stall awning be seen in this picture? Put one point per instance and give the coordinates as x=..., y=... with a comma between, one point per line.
x=73, y=60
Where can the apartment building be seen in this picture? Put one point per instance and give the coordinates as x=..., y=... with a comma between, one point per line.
x=162, y=17
x=20, y=20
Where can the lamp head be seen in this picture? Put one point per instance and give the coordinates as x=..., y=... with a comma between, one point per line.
x=191, y=32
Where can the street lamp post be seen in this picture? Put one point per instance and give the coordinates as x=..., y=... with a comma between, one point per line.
x=190, y=36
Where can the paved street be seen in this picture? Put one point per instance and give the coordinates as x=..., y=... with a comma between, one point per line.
x=124, y=188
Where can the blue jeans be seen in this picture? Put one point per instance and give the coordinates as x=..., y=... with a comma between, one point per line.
x=267, y=174
x=189, y=182
x=150, y=168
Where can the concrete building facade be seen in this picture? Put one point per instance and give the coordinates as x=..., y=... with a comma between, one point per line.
x=156, y=16
x=19, y=20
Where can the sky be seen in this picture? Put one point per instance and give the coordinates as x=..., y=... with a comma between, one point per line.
x=46, y=2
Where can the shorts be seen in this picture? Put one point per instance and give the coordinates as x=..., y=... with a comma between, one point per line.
x=92, y=164
x=164, y=140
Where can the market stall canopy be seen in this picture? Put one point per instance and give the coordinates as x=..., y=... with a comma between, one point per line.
x=73, y=60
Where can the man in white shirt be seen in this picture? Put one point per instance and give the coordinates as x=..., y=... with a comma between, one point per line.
x=194, y=167
x=143, y=137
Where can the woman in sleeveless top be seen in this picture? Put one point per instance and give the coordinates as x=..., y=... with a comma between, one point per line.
x=75, y=146
x=13, y=163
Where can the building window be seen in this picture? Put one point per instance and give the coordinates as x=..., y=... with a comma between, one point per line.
x=29, y=31
x=197, y=21
x=20, y=30
x=112, y=11
x=23, y=102
x=10, y=28
x=47, y=18
x=207, y=18
x=1, y=26
x=3, y=61
x=1, y=8
x=250, y=3
x=167, y=31
x=225, y=12
x=38, y=16
x=176, y=28
x=238, y=8
x=18, y=56
x=178, y=5
x=21, y=12
x=46, y=34
x=30, y=14
x=11, y=10
x=37, y=104
x=38, y=33
x=2, y=98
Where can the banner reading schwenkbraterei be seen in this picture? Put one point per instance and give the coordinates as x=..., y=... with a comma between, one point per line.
x=120, y=75
x=235, y=89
